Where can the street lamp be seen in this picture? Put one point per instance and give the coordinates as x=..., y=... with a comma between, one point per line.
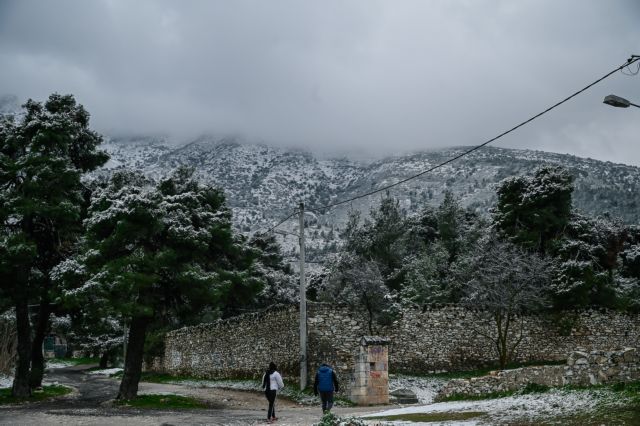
x=618, y=102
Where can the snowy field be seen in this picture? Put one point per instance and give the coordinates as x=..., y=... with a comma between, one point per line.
x=518, y=408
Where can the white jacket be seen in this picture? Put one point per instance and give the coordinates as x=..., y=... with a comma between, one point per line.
x=275, y=381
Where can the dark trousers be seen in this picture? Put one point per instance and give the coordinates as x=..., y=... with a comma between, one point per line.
x=271, y=397
x=327, y=400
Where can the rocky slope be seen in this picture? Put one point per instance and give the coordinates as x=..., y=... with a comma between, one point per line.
x=264, y=184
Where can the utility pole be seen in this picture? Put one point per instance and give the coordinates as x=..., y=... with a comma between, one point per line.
x=303, y=305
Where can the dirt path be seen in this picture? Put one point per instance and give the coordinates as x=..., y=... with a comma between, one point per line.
x=90, y=404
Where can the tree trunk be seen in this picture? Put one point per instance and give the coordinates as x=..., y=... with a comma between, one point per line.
x=501, y=341
x=133, y=361
x=37, y=357
x=104, y=359
x=20, y=387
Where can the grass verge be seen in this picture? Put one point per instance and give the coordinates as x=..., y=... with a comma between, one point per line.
x=76, y=361
x=47, y=392
x=162, y=402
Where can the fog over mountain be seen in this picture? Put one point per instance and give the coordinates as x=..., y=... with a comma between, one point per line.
x=264, y=184
x=368, y=78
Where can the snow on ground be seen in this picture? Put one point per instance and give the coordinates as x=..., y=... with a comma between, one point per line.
x=425, y=388
x=162, y=393
x=5, y=381
x=248, y=385
x=558, y=402
x=58, y=364
x=243, y=385
x=105, y=371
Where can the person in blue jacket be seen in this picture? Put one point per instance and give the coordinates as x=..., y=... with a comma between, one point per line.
x=326, y=383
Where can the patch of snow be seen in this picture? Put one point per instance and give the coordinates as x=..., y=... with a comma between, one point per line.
x=105, y=371
x=58, y=364
x=530, y=407
x=5, y=381
x=425, y=388
x=244, y=385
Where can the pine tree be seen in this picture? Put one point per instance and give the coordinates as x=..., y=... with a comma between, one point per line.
x=587, y=257
x=280, y=284
x=42, y=157
x=449, y=218
x=154, y=251
x=533, y=210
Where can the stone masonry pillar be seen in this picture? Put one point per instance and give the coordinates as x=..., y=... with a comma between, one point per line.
x=370, y=382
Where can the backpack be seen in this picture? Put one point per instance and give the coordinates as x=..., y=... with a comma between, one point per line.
x=325, y=379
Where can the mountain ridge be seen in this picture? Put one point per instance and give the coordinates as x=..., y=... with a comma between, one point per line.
x=264, y=184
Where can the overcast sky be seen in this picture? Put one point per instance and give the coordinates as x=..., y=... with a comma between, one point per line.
x=380, y=77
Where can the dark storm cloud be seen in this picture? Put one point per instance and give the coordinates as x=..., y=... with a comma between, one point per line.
x=375, y=76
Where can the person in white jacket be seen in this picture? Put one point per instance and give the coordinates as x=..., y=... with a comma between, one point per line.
x=272, y=383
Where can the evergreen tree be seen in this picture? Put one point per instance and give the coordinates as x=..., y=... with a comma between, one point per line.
x=428, y=277
x=533, y=210
x=450, y=217
x=587, y=257
x=157, y=251
x=280, y=284
x=379, y=238
x=42, y=156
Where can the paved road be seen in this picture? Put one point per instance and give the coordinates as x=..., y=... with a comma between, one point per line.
x=90, y=404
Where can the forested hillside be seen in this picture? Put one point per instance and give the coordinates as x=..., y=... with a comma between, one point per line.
x=264, y=184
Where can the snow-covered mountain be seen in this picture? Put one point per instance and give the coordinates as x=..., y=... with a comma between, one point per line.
x=264, y=184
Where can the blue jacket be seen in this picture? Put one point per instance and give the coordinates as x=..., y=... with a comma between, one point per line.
x=326, y=380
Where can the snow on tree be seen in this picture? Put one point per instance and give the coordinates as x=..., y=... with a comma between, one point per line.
x=450, y=217
x=502, y=283
x=533, y=210
x=586, y=258
x=157, y=251
x=280, y=283
x=379, y=238
x=428, y=277
x=43, y=154
x=358, y=283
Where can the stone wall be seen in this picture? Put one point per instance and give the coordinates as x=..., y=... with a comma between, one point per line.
x=582, y=369
x=238, y=347
x=439, y=338
x=448, y=338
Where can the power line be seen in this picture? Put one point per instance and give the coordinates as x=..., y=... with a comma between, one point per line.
x=279, y=223
x=630, y=61
x=633, y=59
